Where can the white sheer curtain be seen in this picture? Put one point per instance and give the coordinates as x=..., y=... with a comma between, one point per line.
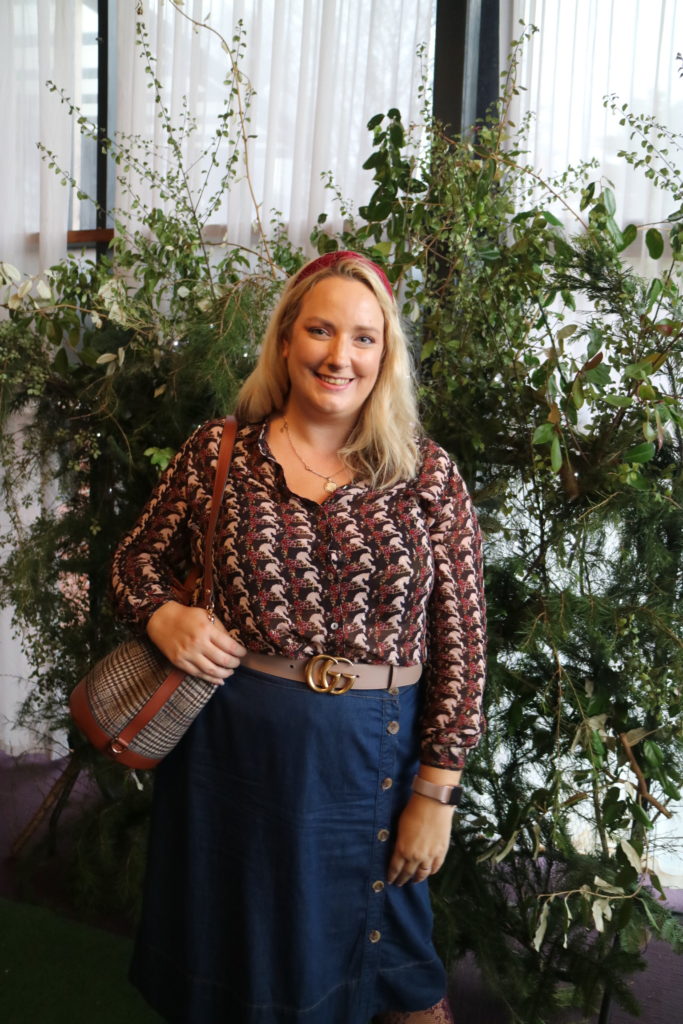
x=320, y=69
x=37, y=43
x=582, y=52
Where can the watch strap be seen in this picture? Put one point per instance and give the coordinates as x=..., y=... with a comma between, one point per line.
x=450, y=795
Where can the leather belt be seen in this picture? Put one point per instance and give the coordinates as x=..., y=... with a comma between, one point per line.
x=327, y=673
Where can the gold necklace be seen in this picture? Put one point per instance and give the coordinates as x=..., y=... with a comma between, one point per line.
x=330, y=484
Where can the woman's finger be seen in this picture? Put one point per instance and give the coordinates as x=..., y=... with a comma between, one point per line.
x=227, y=654
x=402, y=871
x=204, y=667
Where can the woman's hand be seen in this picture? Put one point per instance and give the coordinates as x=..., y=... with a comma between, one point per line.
x=194, y=644
x=424, y=833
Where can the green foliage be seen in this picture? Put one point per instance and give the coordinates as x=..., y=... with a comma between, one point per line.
x=114, y=363
x=551, y=371
x=547, y=367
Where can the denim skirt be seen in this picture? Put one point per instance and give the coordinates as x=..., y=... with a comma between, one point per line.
x=266, y=899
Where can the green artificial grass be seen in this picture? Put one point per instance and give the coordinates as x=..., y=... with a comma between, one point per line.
x=57, y=971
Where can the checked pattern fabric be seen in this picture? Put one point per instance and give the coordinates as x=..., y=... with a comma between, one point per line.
x=119, y=686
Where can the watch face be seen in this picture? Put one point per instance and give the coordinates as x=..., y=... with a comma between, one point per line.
x=456, y=796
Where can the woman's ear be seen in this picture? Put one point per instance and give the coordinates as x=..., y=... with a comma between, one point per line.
x=284, y=347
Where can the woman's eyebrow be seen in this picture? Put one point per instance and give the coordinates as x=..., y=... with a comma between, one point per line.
x=367, y=329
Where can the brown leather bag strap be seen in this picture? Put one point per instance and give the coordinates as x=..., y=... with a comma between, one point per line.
x=119, y=744
x=222, y=469
x=175, y=677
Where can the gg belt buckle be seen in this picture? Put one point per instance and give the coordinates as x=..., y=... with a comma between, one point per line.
x=327, y=681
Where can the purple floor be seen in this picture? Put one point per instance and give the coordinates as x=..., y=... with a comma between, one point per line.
x=25, y=782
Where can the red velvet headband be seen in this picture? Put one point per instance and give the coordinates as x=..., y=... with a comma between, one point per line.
x=330, y=259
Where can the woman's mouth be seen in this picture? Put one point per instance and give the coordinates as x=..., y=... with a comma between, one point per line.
x=335, y=382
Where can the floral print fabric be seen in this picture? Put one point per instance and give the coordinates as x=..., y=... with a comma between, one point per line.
x=383, y=576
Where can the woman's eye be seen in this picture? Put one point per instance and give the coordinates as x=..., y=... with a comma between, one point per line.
x=366, y=340
x=317, y=331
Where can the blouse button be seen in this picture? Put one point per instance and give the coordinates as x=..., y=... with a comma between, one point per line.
x=378, y=886
x=383, y=835
x=375, y=936
x=335, y=625
x=393, y=728
x=387, y=783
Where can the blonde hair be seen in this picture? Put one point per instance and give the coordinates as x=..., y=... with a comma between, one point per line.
x=382, y=449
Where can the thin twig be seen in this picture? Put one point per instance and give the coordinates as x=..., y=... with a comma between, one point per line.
x=642, y=782
x=244, y=132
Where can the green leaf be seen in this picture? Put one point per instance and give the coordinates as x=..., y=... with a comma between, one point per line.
x=609, y=201
x=375, y=121
x=379, y=211
x=376, y=159
x=555, y=454
x=612, y=229
x=637, y=482
x=653, y=752
x=396, y=135
x=382, y=248
x=543, y=434
x=654, y=242
x=595, y=343
x=488, y=252
x=61, y=362
x=551, y=218
x=599, y=375
x=671, y=790
x=641, y=816
x=577, y=393
x=629, y=234
x=427, y=349
x=597, y=744
x=641, y=453
x=653, y=293
x=638, y=371
x=621, y=401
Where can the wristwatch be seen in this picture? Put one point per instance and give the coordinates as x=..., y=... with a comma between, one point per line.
x=450, y=795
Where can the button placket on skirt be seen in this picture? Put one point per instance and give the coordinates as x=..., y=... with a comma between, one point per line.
x=382, y=846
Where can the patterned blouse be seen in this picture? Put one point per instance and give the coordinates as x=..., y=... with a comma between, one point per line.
x=382, y=576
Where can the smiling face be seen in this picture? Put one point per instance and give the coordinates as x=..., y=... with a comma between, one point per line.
x=334, y=350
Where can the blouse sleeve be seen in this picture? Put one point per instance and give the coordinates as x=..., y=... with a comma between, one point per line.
x=150, y=560
x=452, y=720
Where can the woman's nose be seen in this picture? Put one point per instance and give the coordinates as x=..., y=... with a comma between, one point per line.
x=338, y=351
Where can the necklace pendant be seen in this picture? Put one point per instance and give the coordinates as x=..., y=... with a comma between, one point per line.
x=330, y=486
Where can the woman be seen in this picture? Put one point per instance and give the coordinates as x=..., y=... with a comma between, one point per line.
x=296, y=824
